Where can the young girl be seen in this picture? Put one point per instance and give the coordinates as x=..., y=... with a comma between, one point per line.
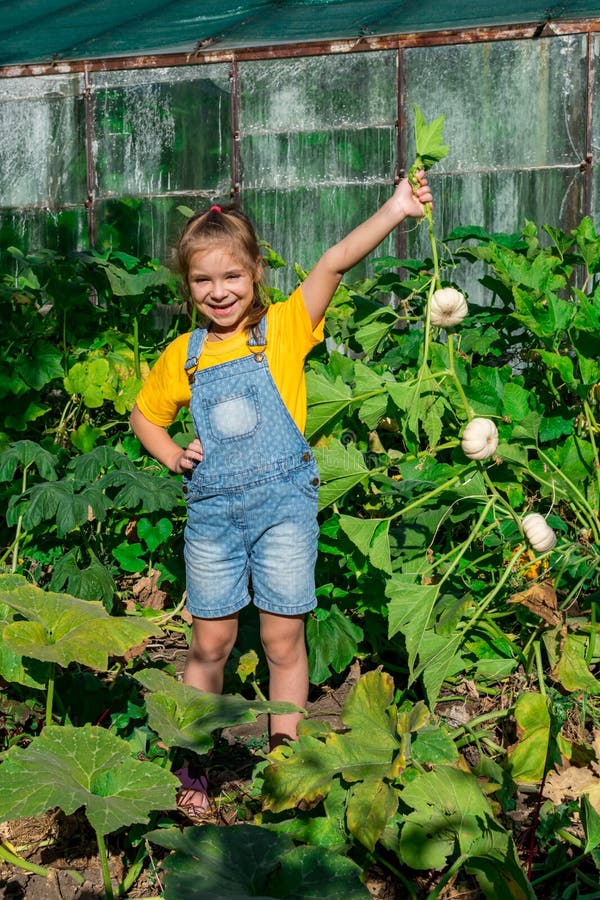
x=249, y=476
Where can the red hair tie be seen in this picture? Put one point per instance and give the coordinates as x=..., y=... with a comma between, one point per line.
x=217, y=208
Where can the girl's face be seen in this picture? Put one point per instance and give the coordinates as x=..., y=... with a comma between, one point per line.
x=222, y=289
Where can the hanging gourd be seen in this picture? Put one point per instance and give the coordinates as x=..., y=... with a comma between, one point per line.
x=448, y=307
x=537, y=531
x=479, y=439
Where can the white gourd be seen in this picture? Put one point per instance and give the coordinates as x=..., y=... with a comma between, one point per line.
x=479, y=439
x=538, y=532
x=448, y=307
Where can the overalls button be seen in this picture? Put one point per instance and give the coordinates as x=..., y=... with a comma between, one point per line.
x=305, y=457
x=185, y=489
x=258, y=357
x=315, y=481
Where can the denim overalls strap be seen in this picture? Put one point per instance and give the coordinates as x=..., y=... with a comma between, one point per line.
x=247, y=432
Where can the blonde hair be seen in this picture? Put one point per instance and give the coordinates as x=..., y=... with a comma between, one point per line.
x=229, y=226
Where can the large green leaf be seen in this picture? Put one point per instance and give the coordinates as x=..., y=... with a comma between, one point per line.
x=332, y=642
x=527, y=760
x=23, y=454
x=451, y=817
x=139, y=488
x=64, y=629
x=364, y=753
x=372, y=537
x=370, y=806
x=183, y=716
x=327, y=397
x=72, y=767
x=44, y=363
x=246, y=861
x=428, y=140
x=410, y=611
x=70, y=504
x=572, y=670
x=341, y=468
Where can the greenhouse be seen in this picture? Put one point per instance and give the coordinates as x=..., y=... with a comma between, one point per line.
x=300, y=541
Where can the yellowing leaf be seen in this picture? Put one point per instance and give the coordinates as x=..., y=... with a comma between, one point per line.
x=572, y=670
x=527, y=759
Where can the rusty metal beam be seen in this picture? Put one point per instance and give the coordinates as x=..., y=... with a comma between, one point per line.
x=209, y=54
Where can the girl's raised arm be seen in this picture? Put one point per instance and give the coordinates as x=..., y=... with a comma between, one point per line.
x=320, y=284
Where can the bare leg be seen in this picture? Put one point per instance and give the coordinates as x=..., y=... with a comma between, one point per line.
x=212, y=642
x=285, y=648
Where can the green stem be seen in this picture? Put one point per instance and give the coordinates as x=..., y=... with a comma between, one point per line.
x=592, y=641
x=589, y=417
x=425, y=497
x=15, y=552
x=12, y=858
x=466, y=544
x=575, y=491
x=489, y=597
x=50, y=694
x=539, y=667
x=108, y=890
x=136, y=348
x=447, y=876
x=455, y=378
x=555, y=871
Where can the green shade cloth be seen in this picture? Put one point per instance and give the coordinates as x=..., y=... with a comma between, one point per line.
x=40, y=32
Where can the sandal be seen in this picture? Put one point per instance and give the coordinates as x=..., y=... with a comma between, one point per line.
x=193, y=797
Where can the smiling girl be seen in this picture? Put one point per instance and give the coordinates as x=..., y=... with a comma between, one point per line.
x=249, y=475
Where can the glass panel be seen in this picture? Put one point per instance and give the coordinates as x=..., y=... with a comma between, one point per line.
x=144, y=226
x=29, y=230
x=342, y=156
x=163, y=130
x=499, y=202
x=320, y=92
x=507, y=104
x=301, y=224
x=42, y=141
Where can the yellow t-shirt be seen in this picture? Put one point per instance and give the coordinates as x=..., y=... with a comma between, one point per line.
x=290, y=337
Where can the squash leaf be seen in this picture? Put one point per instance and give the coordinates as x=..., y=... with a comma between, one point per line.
x=72, y=767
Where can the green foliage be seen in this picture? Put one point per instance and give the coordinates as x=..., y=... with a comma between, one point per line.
x=247, y=861
x=185, y=717
x=73, y=767
x=424, y=572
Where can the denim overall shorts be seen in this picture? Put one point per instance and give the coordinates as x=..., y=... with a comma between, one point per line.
x=252, y=501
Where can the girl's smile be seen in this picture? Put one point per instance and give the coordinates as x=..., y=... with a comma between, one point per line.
x=222, y=289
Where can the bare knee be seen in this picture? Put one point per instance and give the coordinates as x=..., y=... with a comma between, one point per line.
x=212, y=640
x=283, y=640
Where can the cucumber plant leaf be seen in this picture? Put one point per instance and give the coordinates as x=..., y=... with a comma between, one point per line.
x=248, y=861
x=72, y=767
x=183, y=716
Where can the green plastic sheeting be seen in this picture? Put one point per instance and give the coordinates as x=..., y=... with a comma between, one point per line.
x=42, y=32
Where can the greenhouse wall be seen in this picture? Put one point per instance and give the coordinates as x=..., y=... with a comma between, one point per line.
x=309, y=145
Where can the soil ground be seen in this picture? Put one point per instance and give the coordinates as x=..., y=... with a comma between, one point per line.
x=67, y=844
